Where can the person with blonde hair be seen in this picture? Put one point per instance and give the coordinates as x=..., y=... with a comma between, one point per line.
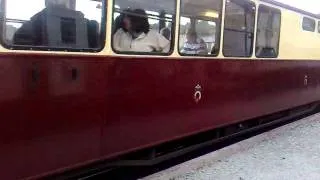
x=194, y=44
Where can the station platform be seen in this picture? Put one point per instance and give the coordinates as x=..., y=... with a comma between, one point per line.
x=288, y=152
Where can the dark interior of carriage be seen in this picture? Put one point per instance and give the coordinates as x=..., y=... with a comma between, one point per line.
x=62, y=26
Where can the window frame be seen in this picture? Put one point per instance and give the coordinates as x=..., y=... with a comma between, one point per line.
x=279, y=35
x=219, y=35
x=172, y=42
x=307, y=18
x=102, y=37
x=253, y=32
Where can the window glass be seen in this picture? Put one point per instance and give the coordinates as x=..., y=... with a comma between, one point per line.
x=49, y=24
x=143, y=26
x=268, y=32
x=318, y=26
x=308, y=24
x=200, y=27
x=239, y=28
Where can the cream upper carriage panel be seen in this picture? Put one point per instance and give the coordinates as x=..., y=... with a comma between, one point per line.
x=289, y=24
x=295, y=43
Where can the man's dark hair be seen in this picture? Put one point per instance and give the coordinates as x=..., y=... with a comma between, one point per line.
x=139, y=21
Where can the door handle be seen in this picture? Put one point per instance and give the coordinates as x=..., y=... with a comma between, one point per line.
x=74, y=74
x=35, y=73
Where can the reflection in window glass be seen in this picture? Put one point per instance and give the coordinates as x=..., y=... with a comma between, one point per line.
x=268, y=32
x=239, y=28
x=308, y=24
x=200, y=27
x=64, y=24
x=143, y=26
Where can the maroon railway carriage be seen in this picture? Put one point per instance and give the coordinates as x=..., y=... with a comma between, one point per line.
x=68, y=99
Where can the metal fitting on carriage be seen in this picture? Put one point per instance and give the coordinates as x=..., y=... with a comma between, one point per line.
x=197, y=94
x=306, y=80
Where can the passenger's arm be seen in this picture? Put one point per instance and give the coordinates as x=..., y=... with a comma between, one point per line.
x=116, y=40
x=163, y=43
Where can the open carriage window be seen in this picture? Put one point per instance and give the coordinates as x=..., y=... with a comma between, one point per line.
x=239, y=28
x=143, y=26
x=72, y=25
x=200, y=27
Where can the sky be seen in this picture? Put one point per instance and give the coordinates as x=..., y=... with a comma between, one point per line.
x=312, y=6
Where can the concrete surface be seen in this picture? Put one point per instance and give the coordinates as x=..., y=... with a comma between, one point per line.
x=287, y=153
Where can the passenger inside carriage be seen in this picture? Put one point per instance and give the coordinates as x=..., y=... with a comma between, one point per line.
x=33, y=32
x=139, y=37
x=58, y=25
x=121, y=31
x=194, y=44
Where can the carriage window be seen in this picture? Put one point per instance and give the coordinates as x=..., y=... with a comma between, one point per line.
x=268, y=32
x=239, y=28
x=143, y=26
x=72, y=25
x=308, y=24
x=200, y=27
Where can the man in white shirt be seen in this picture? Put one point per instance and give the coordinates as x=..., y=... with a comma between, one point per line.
x=139, y=37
